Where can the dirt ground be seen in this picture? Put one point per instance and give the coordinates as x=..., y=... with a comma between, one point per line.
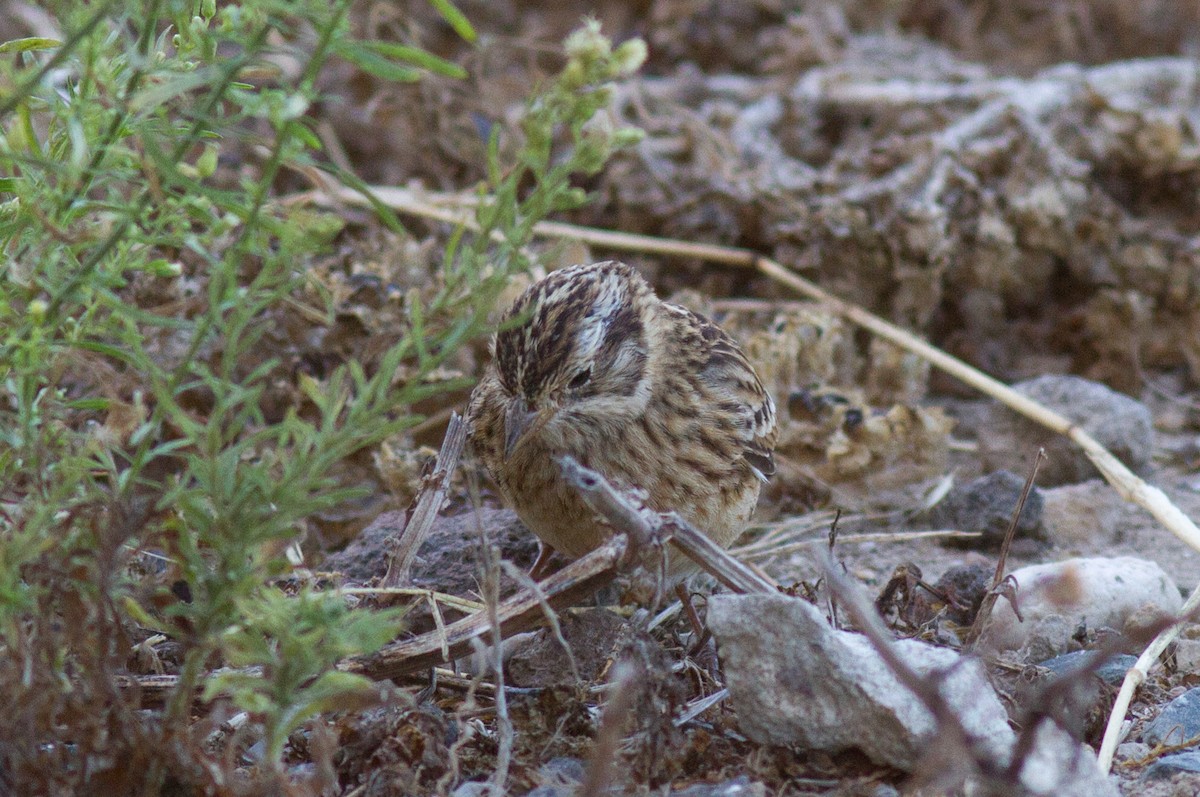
x=1015, y=181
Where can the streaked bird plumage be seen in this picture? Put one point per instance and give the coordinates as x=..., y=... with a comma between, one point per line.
x=589, y=362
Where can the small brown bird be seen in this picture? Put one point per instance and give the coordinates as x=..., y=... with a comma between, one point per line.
x=589, y=362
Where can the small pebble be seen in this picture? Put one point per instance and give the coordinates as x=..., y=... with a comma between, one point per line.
x=1132, y=751
x=986, y=505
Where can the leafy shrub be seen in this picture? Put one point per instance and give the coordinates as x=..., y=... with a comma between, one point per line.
x=147, y=485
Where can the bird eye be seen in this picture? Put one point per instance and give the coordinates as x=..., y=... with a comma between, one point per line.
x=580, y=379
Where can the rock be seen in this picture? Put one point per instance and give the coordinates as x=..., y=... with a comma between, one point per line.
x=1082, y=514
x=1057, y=597
x=966, y=585
x=740, y=786
x=1187, y=655
x=987, y=505
x=1179, y=722
x=1080, y=698
x=1059, y=765
x=448, y=559
x=1171, y=765
x=1120, y=424
x=794, y=680
x=1131, y=751
x=562, y=768
x=1112, y=671
x=559, y=777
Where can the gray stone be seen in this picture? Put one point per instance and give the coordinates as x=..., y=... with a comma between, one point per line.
x=1112, y=671
x=1118, y=422
x=794, y=680
x=1187, y=655
x=560, y=777
x=1059, y=765
x=740, y=786
x=1078, y=694
x=562, y=768
x=1177, y=723
x=986, y=505
x=1131, y=751
x=1171, y=765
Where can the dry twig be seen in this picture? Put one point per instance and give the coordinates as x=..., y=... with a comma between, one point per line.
x=421, y=515
x=989, y=600
x=608, y=738
x=519, y=612
x=646, y=527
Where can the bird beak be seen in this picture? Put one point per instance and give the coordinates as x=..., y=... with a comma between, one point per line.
x=516, y=423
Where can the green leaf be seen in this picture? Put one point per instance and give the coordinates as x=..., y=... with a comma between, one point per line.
x=29, y=44
x=455, y=19
x=417, y=57
x=89, y=404
x=374, y=64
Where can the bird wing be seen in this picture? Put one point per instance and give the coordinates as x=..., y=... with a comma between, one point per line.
x=731, y=377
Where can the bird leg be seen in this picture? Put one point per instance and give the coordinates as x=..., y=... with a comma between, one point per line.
x=698, y=628
x=541, y=565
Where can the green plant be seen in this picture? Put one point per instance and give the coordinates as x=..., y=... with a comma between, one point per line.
x=294, y=643
x=140, y=285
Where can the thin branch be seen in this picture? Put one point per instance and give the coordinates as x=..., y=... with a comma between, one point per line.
x=645, y=527
x=491, y=594
x=989, y=600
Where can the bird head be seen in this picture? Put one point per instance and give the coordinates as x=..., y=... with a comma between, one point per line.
x=573, y=347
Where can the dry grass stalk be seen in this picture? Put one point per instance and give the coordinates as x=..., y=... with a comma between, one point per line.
x=465, y=605
x=520, y=612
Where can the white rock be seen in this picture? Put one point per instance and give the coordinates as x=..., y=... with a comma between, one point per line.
x=1187, y=655
x=794, y=680
x=1059, y=765
x=1057, y=597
